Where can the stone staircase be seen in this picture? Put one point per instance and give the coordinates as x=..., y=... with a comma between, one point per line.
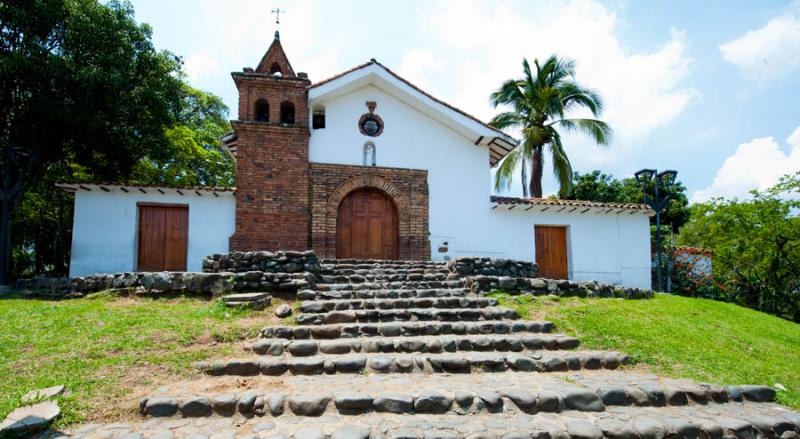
x=391, y=349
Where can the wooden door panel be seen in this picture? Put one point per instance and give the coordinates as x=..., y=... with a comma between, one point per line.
x=551, y=251
x=176, y=241
x=163, y=238
x=366, y=226
x=151, y=239
x=343, y=228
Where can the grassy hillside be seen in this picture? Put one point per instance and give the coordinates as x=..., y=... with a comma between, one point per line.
x=683, y=337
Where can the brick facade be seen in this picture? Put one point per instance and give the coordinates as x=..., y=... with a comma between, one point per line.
x=275, y=56
x=408, y=188
x=271, y=188
x=274, y=90
x=283, y=202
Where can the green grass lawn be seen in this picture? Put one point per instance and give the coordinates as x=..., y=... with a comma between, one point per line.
x=108, y=351
x=682, y=337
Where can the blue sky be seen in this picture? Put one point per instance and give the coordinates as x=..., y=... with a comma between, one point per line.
x=711, y=88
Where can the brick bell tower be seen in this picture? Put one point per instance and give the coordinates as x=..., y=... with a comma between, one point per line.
x=272, y=200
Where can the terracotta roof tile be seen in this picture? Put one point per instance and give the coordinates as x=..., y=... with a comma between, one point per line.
x=89, y=186
x=568, y=203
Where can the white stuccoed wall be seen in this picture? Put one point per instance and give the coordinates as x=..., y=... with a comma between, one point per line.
x=613, y=248
x=458, y=170
x=104, y=234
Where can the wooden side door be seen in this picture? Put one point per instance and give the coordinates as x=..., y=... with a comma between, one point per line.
x=551, y=251
x=163, y=237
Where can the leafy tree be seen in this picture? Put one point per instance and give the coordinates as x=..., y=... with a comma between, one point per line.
x=597, y=186
x=192, y=154
x=756, y=246
x=80, y=83
x=539, y=105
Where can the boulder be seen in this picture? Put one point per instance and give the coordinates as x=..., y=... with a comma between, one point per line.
x=283, y=310
x=309, y=404
x=41, y=394
x=30, y=418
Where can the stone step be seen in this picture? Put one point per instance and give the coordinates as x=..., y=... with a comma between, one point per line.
x=432, y=394
x=320, y=306
x=384, y=278
x=369, y=271
x=252, y=300
x=381, y=294
x=537, y=361
x=744, y=420
x=407, y=329
x=408, y=314
x=431, y=344
x=374, y=262
x=407, y=285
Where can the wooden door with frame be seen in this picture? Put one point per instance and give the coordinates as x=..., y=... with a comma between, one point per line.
x=163, y=237
x=551, y=251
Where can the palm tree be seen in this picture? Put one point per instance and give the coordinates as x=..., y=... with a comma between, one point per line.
x=539, y=104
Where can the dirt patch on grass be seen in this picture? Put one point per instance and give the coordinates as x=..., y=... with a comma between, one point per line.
x=125, y=385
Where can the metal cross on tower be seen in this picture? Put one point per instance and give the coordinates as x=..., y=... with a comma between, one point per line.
x=277, y=12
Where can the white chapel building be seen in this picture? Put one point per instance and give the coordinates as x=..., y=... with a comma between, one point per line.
x=363, y=165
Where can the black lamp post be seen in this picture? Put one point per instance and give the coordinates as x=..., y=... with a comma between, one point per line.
x=645, y=178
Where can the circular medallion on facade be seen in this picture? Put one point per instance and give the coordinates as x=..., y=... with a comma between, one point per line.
x=370, y=123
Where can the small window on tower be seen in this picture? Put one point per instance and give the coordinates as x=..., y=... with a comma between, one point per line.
x=318, y=118
x=262, y=111
x=287, y=113
x=369, y=154
x=275, y=69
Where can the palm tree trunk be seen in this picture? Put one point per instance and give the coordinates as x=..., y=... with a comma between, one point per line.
x=524, y=178
x=537, y=169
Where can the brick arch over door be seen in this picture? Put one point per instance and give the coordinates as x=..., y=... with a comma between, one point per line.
x=370, y=182
x=366, y=225
x=407, y=188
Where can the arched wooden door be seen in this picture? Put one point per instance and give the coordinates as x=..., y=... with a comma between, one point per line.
x=366, y=226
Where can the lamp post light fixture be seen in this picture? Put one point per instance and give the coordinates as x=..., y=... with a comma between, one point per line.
x=651, y=177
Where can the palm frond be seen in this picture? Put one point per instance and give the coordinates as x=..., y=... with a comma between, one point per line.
x=530, y=81
x=556, y=70
x=599, y=130
x=508, y=119
x=562, y=168
x=509, y=93
x=505, y=172
x=573, y=95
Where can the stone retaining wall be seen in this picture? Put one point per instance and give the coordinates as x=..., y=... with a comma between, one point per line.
x=541, y=286
x=268, y=262
x=161, y=283
x=291, y=271
x=471, y=266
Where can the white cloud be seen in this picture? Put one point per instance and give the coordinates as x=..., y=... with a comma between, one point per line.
x=643, y=90
x=769, y=52
x=419, y=65
x=200, y=66
x=755, y=165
